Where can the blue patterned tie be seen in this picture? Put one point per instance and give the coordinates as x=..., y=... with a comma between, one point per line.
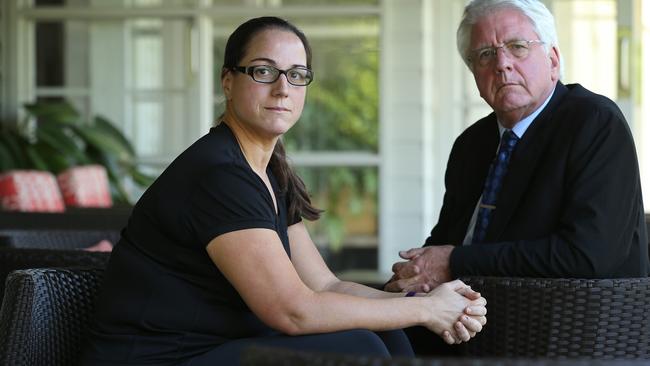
x=498, y=170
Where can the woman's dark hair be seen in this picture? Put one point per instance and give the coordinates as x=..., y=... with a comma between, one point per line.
x=241, y=37
x=290, y=183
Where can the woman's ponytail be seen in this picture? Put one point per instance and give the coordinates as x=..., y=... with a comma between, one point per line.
x=291, y=184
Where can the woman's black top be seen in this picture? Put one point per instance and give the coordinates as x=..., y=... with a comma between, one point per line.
x=163, y=300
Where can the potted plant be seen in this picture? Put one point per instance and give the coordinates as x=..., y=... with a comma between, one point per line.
x=54, y=137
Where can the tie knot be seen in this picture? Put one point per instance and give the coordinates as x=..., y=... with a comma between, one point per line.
x=509, y=139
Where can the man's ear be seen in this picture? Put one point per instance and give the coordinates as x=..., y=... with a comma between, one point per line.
x=554, y=55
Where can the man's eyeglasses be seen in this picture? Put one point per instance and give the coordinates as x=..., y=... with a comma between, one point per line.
x=299, y=76
x=518, y=49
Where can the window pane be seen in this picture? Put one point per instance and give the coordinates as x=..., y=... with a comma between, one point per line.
x=349, y=198
x=341, y=111
x=157, y=87
x=61, y=54
x=134, y=73
x=148, y=129
x=49, y=41
x=587, y=32
x=147, y=53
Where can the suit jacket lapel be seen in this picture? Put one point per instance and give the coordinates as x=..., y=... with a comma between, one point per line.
x=523, y=163
x=484, y=149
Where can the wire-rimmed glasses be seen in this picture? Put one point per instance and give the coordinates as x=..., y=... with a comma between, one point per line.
x=518, y=48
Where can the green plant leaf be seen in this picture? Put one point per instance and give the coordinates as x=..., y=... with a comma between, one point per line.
x=107, y=127
x=335, y=232
x=16, y=145
x=53, y=112
x=109, y=161
x=36, y=161
x=7, y=161
x=54, y=161
x=140, y=178
x=62, y=144
x=96, y=138
x=117, y=187
x=115, y=173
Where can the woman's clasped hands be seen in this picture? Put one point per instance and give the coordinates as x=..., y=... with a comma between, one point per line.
x=456, y=312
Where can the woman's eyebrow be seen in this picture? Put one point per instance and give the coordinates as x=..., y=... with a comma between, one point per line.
x=272, y=62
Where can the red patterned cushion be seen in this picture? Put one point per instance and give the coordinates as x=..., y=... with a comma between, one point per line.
x=85, y=186
x=30, y=190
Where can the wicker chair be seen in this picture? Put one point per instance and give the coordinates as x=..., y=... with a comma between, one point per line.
x=261, y=356
x=563, y=318
x=45, y=315
x=114, y=218
x=12, y=259
x=55, y=239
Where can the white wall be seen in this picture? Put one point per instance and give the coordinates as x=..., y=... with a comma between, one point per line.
x=421, y=93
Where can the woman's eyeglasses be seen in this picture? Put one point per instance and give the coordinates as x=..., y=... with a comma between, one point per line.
x=299, y=76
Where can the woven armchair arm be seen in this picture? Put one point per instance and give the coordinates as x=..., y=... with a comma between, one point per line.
x=45, y=315
x=542, y=317
x=12, y=259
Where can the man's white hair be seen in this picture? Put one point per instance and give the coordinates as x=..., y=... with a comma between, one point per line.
x=540, y=17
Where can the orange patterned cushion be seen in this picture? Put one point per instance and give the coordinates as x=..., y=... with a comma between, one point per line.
x=85, y=186
x=30, y=190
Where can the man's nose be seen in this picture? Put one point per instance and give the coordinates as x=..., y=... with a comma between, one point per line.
x=503, y=59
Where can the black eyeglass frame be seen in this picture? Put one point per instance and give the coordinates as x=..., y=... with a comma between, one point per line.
x=250, y=71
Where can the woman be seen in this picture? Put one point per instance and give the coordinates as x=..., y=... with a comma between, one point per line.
x=215, y=256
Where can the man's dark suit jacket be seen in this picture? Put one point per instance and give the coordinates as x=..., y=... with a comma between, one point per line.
x=570, y=204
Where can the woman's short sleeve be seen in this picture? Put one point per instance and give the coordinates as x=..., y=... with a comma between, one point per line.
x=230, y=198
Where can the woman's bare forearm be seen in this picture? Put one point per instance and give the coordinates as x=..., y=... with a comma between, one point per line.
x=357, y=289
x=330, y=311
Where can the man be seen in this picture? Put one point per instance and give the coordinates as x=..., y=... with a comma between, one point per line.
x=562, y=198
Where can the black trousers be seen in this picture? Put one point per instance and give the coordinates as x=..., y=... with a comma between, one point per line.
x=426, y=343
x=353, y=342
